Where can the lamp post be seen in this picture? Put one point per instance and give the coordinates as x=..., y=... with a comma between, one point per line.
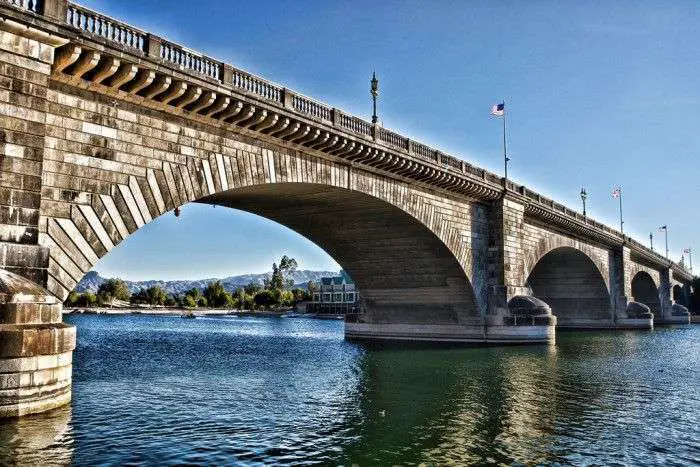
x=651, y=241
x=374, y=90
x=584, y=195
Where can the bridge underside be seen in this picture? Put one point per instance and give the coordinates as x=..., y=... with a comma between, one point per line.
x=404, y=273
x=571, y=284
x=411, y=285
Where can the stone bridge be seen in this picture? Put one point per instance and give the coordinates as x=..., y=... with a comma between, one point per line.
x=105, y=127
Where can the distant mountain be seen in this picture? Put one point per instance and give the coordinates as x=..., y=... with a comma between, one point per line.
x=92, y=280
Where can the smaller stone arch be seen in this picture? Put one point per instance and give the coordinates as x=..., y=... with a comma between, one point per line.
x=681, y=295
x=646, y=291
x=571, y=283
x=553, y=242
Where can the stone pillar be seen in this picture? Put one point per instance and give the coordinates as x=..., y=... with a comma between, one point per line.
x=665, y=292
x=36, y=349
x=618, y=280
x=670, y=312
x=511, y=312
x=35, y=346
x=626, y=313
x=26, y=55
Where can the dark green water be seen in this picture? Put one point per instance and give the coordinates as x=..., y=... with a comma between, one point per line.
x=163, y=390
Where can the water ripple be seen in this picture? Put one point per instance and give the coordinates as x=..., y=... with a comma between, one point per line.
x=259, y=391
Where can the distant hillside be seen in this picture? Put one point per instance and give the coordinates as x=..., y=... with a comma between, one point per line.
x=92, y=280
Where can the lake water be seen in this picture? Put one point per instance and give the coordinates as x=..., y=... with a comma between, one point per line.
x=226, y=390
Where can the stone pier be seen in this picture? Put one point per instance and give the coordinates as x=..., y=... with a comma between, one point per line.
x=36, y=349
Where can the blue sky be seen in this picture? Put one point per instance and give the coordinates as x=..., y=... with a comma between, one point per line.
x=598, y=94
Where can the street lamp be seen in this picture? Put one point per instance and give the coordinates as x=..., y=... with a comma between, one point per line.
x=375, y=92
x=584, y=195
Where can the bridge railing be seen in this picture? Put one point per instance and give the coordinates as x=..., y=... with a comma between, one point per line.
x=252, y=84
x=35, y=6
x=135, y=40
x=95, y=23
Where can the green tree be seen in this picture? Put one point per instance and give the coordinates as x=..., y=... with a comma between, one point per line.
x=156, y=295
x=113, y=289
x=188, y=301
x=86, y=299
x=252, y=288
x=217, y=296
x=300, y=295
x=265, y=298
x=287, y=268
x=72, y=298
x=193, y=298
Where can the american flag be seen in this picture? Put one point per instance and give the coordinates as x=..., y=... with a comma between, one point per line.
x=617, y=192
x=498, y=109
x=663, y=227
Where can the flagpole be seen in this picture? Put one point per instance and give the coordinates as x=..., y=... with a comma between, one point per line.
x=666, y=235
x=622, y=223
x=690, y=257
x=505, y=152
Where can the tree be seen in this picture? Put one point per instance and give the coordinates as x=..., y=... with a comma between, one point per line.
x=113, y=289
x=87, y=299
x=154, y=295
x=301, y=295
x=276, y=281
x=188, y=301
x=252, y=288
x=312, y=287
x=217, y=296
x=287, y=268
x=72, y=298
x=193, y=298
x=265, y=298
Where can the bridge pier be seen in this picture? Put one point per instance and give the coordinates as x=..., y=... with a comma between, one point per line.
x=36, y=349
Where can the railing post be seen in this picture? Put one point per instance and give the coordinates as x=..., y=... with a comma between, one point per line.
x=55, y=9
x=334, y=116
x=288, y=99
x=227, y=74
x=153, y=44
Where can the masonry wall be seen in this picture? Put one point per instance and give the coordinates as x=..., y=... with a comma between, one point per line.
x=24, y=76
x=113, y=162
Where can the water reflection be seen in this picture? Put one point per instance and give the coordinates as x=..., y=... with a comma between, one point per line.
x=42, y=439
x=223, y=391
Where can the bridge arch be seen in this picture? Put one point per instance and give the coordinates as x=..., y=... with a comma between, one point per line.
x=646, y=291
x=679, y=295
x=408, y=262
x=571, y=283
x=549, y=242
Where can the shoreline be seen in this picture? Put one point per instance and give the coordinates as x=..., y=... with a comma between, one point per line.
x=176, y=311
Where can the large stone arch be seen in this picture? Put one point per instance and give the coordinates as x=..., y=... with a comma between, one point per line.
x=571, y=283
x=110, y=170
x=392, y=240
x=645, y=290
x=538, y=242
